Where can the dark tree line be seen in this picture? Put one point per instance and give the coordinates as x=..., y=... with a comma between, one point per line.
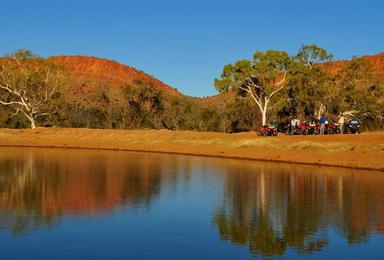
x=273, y=85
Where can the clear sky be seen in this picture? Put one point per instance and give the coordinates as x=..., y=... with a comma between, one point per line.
x=187, y=43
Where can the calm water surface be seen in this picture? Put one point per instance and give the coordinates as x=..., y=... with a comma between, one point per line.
x=60, y=204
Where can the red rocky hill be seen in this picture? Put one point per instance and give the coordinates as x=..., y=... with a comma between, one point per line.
x=377, y=62
x=87, y=72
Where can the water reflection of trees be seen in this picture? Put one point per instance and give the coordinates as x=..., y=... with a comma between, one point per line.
x=273, y=209
x=37, y=187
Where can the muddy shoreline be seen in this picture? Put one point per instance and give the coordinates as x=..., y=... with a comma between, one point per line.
x=365, y=151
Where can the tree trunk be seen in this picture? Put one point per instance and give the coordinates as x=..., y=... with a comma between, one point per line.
x=264, y=111
x=264, y=116
x=320, y=111
x=33, y=126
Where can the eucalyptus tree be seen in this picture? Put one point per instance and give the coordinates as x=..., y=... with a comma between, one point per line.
x=144, y=105
x=360, y=89
x=28, y=85
x=311, y=87
x=260, y=78
x=311, y=54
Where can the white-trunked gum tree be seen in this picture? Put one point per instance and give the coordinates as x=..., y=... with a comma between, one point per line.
x=29, y=85
x=261, y=78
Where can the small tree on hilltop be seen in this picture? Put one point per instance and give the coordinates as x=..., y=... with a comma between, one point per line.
x=261, y=78
x=28, y=85
x=311, y=54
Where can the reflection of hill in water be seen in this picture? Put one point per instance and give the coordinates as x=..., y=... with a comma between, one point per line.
x=39, y=186
x=273, y=209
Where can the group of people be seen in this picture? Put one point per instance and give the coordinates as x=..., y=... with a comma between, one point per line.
x=295, y=122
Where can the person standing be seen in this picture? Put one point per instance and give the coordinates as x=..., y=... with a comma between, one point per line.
x=322, y=124
x=274, y=123
x=293, y=125
x=297, y=123
x=341, y=123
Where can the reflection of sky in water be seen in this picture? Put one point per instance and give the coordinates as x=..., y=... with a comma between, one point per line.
x=92, y=204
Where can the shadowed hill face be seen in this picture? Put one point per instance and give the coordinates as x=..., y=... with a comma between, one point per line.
x=215, y=100
x=87, y=72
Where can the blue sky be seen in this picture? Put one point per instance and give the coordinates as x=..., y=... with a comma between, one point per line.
x=187, y=43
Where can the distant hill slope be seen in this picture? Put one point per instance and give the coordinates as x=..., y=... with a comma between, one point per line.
x=377, y=62
x=87, y=72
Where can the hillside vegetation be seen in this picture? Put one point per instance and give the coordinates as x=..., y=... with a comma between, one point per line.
x=90, y=92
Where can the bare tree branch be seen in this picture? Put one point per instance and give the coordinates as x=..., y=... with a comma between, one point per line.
x=15, y=113
x=274, y=92
x=281, y=81
x=27, y=87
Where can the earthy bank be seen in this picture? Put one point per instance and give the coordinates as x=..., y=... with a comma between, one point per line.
x=365, y=151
